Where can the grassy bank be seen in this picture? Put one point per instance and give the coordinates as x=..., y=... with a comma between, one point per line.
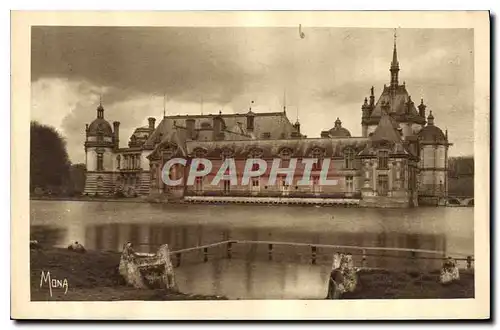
x=93, y=276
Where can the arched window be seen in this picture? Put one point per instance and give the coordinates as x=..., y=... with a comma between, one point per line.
x=349, y=158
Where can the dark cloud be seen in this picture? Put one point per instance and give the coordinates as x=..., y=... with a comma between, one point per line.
x=329, y=71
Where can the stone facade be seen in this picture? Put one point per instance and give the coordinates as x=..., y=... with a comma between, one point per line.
x=400, y=159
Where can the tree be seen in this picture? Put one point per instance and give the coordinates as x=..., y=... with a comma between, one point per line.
x=49, y=162
x=76, y=182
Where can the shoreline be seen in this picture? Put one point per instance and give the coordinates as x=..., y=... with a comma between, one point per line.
x=146, y=200
x=93, y=276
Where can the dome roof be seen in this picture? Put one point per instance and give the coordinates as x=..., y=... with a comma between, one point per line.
x=432, y=133
x=100, y=125
x=338, y=130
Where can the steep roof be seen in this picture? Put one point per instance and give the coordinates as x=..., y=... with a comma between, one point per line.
x=271, y=148
x=385, y=130
x=273, y=124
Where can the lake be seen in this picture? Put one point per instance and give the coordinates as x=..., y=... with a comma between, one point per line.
x=250, y=274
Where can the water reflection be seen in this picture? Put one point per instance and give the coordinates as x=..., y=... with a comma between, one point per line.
x=246, y=279
x=107, y=226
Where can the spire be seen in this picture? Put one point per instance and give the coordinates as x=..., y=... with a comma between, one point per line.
x=394, y=65
x=100, y=109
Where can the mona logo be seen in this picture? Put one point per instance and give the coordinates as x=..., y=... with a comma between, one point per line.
x=53, y=283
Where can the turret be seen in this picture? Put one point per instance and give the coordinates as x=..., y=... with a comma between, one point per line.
x=421, y=108
x=250, y=119
x=430, y=119
x=372, y=99
x=365, y=109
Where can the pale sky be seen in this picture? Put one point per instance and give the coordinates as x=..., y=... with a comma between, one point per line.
x=325, y=75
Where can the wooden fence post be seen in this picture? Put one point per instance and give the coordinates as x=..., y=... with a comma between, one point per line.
x=229, y=250
x=178, y=259
x=469, y=262
x=313, y=256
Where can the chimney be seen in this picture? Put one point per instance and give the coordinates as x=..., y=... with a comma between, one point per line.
x=151, y=122
x=218, y=127
x=116, y=133
x=190, y=127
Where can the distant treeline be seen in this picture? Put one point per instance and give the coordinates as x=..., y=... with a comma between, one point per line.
x=461, y=176
x=51, y=172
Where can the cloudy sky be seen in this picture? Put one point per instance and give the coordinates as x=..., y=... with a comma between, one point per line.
x=325, y=75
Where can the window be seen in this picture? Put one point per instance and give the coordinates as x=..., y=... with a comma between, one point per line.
x=383, y=185
x=100, y=166
x=349, y=158
x=198, y=184
x=255, y=182
x=383, y=159
x=317, y=154
x=349, y=183
x=118, y=160
x=227, y=186
x=316, y=188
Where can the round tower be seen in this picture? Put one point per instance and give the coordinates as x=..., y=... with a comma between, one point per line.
x=99, y=143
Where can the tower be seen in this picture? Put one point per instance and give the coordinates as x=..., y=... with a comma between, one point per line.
x=100, y=141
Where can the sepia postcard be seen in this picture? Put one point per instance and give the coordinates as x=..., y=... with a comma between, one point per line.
x=288, y=165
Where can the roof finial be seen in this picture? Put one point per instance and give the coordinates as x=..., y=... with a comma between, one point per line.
x=284, y=100
x=164, y=106
x=250, y=109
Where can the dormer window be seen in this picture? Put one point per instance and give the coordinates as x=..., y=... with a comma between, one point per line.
x=285, y=153
x=227, y=153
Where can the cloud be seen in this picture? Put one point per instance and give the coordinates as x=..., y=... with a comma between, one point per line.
x=325, y=75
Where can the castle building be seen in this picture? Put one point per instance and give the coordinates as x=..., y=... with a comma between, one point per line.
x=400, y=160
